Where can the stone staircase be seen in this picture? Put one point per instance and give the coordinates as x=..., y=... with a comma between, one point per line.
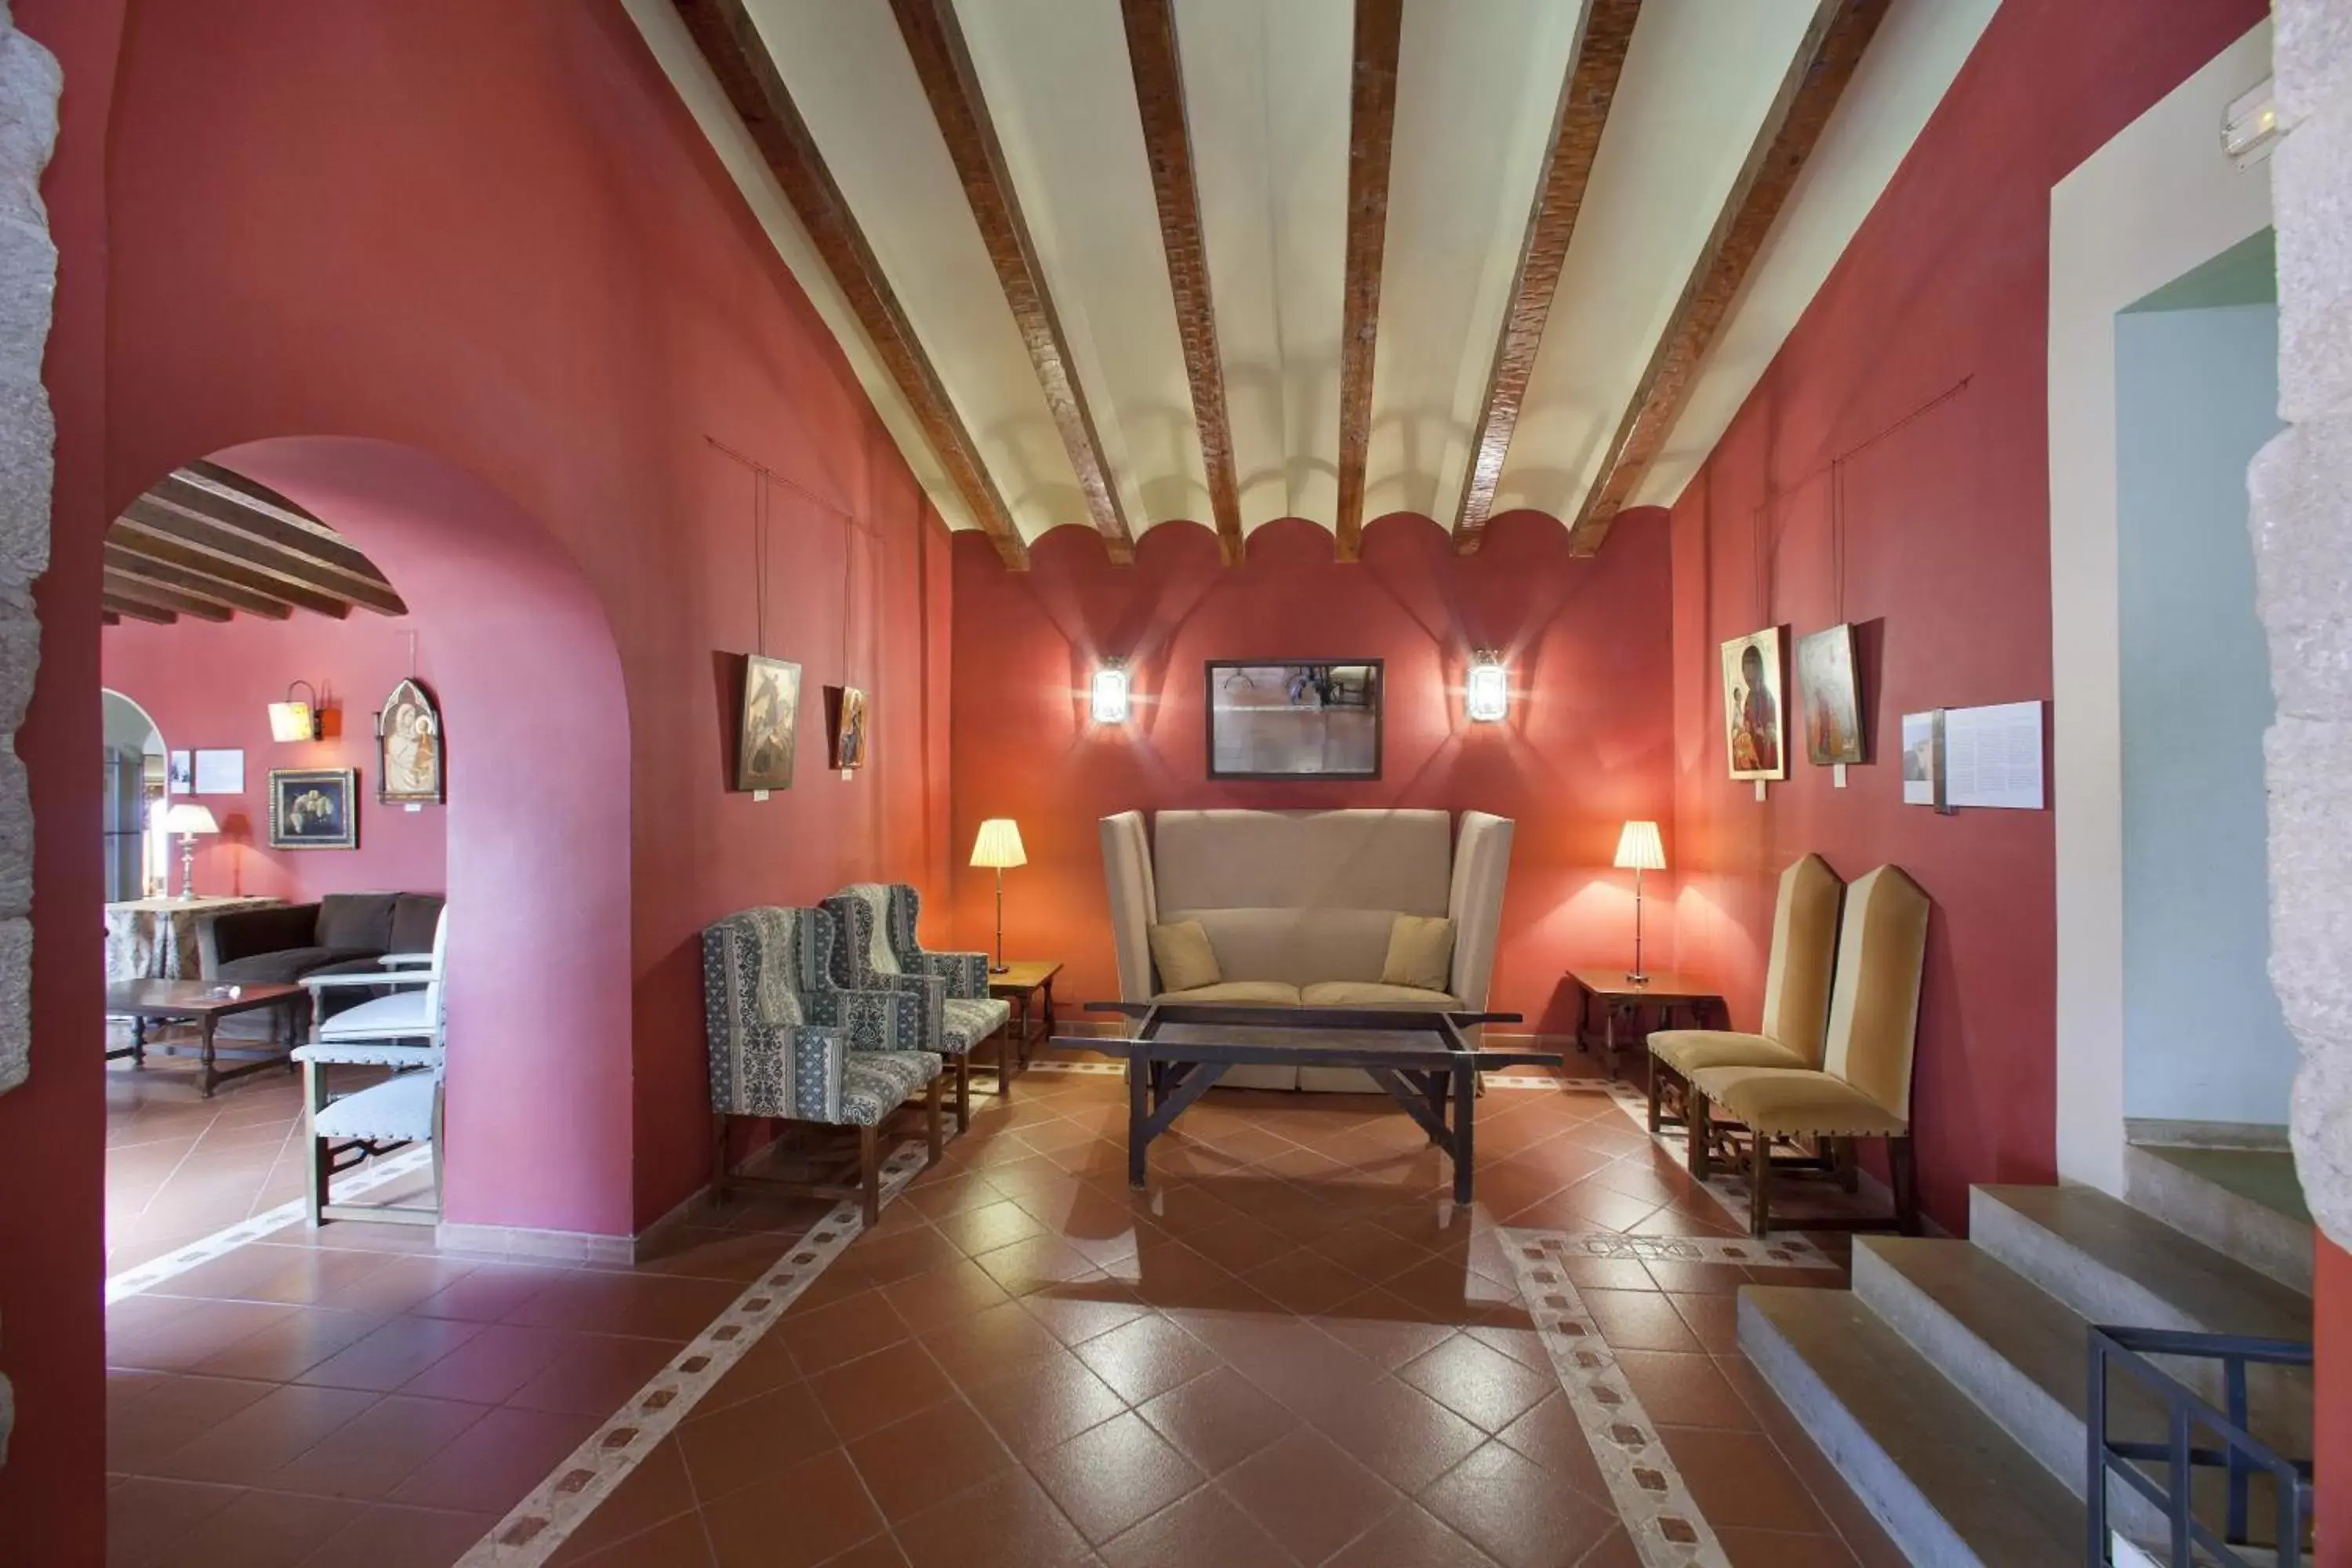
x=1949, y=1385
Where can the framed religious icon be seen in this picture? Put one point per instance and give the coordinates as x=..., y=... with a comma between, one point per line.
x=314, y=808
x=1832, y=698
x=767, y=728
x=408, y=748
x=1752, y=708
x=849, y=729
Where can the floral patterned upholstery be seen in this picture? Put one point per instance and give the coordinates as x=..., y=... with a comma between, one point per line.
x=866, y=960
x=967, y=1021
x=786, y=1041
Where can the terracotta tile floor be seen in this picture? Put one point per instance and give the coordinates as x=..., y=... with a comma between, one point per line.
x=1289, y=1352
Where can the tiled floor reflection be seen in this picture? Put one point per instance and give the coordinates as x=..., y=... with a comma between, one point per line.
x=1290, y=1352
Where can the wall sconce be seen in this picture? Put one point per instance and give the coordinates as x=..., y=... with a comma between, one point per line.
x=1110, y=693
x=1490, y=688
x=292, y=721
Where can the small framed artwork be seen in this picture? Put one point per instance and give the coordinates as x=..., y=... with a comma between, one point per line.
x=1832, y=698
x=314, y=808
x=219, y=771
x=769, y=727
x=408, y=748
x=848, y=728
x=183, y=773
x=1752, y=708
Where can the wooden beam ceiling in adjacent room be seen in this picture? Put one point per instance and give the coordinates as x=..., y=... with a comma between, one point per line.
x=1817, y=78
x=1168, y=144
x=935, y=42
x=730, y=44
x=210, y=543
x=1371, y=129
x=1584, y=101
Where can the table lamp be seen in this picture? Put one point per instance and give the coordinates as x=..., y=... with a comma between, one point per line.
x=998, y=845
x=187, y=819
x=1639, y=850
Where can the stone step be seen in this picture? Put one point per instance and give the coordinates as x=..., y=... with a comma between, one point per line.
x=2115, y=1264
x=2243, y=1203
x=1951, y=1487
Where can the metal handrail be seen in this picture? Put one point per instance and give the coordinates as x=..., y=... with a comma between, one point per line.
x=2240, y=1453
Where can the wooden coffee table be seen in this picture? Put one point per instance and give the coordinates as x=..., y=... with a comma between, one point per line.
x=1619, y=997
x=204, y=1004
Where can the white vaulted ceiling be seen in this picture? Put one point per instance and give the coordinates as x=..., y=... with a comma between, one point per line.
x=1665, y=311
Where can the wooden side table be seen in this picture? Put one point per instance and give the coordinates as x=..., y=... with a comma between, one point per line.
x=193, y=1000
x=1617, y=998
x=1023, y=983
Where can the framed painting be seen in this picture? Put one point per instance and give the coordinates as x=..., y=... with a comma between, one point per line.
x=769, y=726
x=1752, y=708
x=314, y=808
x=408, y=748
x=1274, y=721
x=1832, y=696
x=849, y=731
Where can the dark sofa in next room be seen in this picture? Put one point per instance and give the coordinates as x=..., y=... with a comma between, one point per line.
x=342, y=933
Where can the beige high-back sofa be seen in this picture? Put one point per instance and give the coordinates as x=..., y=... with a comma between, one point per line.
x=1299, y=905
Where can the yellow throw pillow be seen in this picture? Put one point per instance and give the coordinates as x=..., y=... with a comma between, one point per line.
x=1182, y=955
x=1421, y=953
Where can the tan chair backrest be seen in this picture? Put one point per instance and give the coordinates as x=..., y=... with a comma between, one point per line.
x=1804, y=958
x=1874, y=1010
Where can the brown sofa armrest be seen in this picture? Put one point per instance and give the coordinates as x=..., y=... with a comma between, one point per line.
x=240, y=934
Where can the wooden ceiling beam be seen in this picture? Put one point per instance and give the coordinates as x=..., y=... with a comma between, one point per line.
x=135, y=542
x=1824, y=63
x=224, y=536
x=738, y=58
x=942, y=62
x=123, y=562
x=139, y=590
x=133, y=610
x=296, y=536
x=1371, y=129
x=1584, y=113
x=1152, y=57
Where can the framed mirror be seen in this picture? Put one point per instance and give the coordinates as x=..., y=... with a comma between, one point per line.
x=1304, y=720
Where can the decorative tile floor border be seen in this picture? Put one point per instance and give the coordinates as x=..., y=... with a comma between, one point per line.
x=156, y=1270
x=542, y=1521
x=1781, y=1251
x=1652, y=1503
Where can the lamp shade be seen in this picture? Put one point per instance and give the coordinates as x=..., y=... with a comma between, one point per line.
x=999, y=844
x=1639, y=849
x=187, y=816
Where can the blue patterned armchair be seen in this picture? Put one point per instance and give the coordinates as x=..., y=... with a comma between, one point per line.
x=787, y=1042
x=879, y=953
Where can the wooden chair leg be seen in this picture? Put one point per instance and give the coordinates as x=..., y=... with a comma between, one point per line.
x=718, y=1157
x=1847, y=1157
x=1702, y=1163
x=869, y=1169
x=1759, y=1185
x=964, y=1091
x=319, y=1165
x=1902, y=1168
x=1654, y=1071
x=932, y=1110
x=440, y=1142
x=1004, y=1063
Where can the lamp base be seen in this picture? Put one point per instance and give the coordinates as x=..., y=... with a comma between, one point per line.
x=1635, y=977
x=1000, y=968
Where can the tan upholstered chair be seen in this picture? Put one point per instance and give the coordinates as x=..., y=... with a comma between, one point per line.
x=1863, y=1086
x=1796, y=992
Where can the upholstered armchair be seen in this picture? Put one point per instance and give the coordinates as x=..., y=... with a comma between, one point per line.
x=787, y=1042
x=402, y=1027
x=879, y=953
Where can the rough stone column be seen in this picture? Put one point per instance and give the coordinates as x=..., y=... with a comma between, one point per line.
x=2300, y=486
x=29, y=85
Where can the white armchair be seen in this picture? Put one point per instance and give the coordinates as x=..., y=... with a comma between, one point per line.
x=404, y=1031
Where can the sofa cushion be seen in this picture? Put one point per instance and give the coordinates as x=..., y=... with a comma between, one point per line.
x=1182, y=953
x=1421, y=953
x=357, y=922
x=1367, y=994
x=1297, y=947
x=282, y=967
x=414, y=917
x=1238, y=993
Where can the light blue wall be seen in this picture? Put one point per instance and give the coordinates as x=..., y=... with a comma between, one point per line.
x=2196, y=395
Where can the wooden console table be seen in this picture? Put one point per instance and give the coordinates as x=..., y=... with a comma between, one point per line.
x=1023, y=982
x=1615, y=998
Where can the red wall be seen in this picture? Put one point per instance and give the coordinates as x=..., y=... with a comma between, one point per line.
x=1586, y=746
x=210, y=684
x=1946, y=560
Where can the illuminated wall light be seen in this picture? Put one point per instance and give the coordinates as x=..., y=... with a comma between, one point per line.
x=1110, y=694
x=1489, y=689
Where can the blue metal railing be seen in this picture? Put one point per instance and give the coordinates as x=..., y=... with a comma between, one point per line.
x=2187, y=1413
